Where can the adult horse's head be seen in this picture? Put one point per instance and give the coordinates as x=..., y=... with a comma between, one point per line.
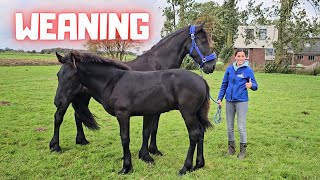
x=69, y=84
x=199, y=48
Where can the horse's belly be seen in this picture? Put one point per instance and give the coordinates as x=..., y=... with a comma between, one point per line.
x=156, y=104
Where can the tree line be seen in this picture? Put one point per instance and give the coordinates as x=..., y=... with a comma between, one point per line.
x=222, y=21
x=295, y=28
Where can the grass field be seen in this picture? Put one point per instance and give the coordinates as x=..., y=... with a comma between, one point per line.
x=283, y=134
x=23, y=58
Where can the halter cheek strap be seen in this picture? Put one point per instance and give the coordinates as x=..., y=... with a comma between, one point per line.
x=208, y=58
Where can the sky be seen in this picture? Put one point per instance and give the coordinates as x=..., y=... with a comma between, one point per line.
x=153, y=7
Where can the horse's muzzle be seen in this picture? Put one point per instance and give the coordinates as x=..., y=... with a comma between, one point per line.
x=209, y=70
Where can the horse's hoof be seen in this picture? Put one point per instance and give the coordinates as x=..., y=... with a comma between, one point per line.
x=82, y=141
x=155, y=151
x=55, y=148
x=147, y=158
x=183, y=171
x=125, y=170
x=197, y=166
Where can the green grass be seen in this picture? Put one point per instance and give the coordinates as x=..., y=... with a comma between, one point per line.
x=283, y=134
x=37, y=56
x=25, y=56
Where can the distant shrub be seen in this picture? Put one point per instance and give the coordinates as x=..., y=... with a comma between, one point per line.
x=313, y=71
x=188, y=63
x=220, y=66
x=271, y=68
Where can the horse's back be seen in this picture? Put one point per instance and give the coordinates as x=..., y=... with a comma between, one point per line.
x=152, y=92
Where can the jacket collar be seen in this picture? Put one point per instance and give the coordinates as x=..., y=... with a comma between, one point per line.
x=245, y=64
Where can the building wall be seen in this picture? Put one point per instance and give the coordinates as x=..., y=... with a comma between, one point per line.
x=305, y=61
x=272, y=35
x=257, y=57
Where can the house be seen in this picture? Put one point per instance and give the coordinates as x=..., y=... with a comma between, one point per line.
x=257, y=43
x=310, y=53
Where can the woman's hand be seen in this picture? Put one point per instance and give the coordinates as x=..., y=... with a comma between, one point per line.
x=249, y=84
x=219, y=102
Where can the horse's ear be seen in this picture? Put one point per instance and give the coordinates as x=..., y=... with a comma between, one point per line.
x=202, y=24
x=60, y=58
x=73, y=59
x=200, y=27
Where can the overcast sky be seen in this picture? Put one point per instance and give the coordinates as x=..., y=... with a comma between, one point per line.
x=154, y=7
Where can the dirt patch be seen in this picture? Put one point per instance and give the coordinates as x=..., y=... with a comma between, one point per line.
x=41, y=129
x=21, y=62
x=5, y=103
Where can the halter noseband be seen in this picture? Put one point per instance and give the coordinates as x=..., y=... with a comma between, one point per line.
x=208, y=58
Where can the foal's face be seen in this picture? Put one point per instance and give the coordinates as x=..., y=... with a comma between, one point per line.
x=68, y=86
x=204, y=47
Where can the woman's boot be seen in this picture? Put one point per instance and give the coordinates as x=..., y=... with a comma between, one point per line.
x=242, y=153
x=232, y=147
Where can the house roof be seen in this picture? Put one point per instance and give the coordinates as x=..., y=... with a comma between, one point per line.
x=312, y=48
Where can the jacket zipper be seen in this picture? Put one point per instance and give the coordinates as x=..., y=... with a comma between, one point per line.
x=234, y=79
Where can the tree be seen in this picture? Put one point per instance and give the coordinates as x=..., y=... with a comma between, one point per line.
x=294, y=27
x=221, y=24
x=115, y=49
x=230, y=21
x=290, y=18
x=175, y=15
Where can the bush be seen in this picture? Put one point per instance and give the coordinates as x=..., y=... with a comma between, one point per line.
x=314, y=71
x=226, y=53
x=189, y=63
x=220, y=66
x=272, y=67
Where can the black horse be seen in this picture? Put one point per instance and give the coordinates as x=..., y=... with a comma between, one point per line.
x=167, y=54
x=124, y=93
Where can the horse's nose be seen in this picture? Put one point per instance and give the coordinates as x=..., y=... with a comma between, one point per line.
x=213, y=67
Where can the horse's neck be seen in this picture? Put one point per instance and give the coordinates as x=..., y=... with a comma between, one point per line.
x=167, y=56
x=99, y=79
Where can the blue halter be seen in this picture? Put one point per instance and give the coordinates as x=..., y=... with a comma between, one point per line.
x=208, y=58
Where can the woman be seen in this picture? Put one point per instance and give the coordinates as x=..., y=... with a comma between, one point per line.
x=237, y=79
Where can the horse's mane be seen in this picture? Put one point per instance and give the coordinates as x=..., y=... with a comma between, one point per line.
x=164, y=40
x=87, y=57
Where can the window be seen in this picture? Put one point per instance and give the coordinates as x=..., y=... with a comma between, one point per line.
x=270, y=52
x=262, y=34
x=249, y=33
x=246, y=52
x=311, y=58
x=300, y=57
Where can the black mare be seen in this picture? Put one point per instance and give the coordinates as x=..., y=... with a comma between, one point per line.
x=167, y=54
x=124, y=93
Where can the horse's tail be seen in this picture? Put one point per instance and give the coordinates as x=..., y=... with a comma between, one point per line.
x=202, y=113
x=83, y=113
x=88, y=118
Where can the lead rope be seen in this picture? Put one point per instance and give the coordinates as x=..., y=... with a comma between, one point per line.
x=217, y=117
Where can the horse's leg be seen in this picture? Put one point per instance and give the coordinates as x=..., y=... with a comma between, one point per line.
x=79, y=104
x=144, y=152
x=194, y=133
x=200, y=158
x=153, y=142
x=124, y=122
x=58, y=118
